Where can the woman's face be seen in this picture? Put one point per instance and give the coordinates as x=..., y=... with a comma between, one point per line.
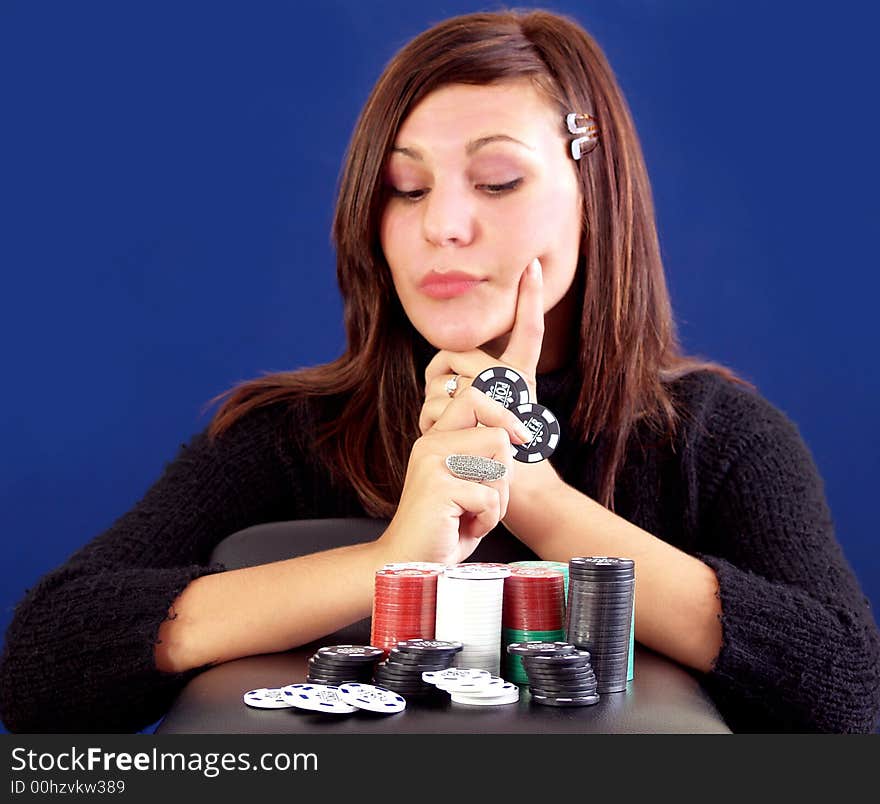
x=481, y=183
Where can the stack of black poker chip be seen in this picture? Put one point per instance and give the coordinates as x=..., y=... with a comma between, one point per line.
x=402, y=671
x=338, y=664
x=559, y=674
x=599, y=615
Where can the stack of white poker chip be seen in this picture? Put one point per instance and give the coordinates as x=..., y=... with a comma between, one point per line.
x=469, y=604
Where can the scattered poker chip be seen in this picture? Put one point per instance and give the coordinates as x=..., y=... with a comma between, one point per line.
x=372, y=698
x=320, y=698
x=544, y=428
x=267, y=698
x=504, y=385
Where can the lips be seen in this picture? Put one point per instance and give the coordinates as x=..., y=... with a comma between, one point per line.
x=448, y=285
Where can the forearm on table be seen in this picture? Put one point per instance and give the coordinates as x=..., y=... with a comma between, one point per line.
x=677, y=605
x=268, y=608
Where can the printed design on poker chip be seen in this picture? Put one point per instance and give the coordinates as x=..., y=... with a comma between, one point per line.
x=509, y=388
x=504, y=385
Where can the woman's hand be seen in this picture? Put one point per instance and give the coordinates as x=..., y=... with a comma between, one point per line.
x=442, y=517
x=522, y=354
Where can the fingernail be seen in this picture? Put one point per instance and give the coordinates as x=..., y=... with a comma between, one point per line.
x=535, y=268
x=524, y=434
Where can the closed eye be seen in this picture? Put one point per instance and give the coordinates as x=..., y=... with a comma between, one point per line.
x=491, y=189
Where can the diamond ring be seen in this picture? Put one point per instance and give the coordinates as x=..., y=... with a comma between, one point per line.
x=475, y=467
x=452, y=385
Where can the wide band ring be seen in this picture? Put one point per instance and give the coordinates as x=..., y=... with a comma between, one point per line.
x=475, y=467
x=451, y=385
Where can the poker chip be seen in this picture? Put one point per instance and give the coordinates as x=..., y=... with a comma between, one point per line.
x=419, y=565
x=504, y=385
x=404, y=603
x=509, y=694
x=599, y=616
x=469, y=606
x=541, y=648
x=477, y=685
x=544, y=428
x=267, y=698
x=320, y=698
x=454, y=674
x=337, y=664
x=431, y=646
x=372, y=698
x=585, y=700
x=350, y=653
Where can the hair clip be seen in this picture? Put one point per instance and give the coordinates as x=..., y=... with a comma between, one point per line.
x=582, y=145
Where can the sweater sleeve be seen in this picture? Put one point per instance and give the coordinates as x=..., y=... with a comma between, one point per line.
x=79, y=654
x=801, y=650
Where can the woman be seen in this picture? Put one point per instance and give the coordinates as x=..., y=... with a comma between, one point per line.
x=494, y=210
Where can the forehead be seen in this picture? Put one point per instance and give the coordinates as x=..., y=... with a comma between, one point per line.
x=453, y=115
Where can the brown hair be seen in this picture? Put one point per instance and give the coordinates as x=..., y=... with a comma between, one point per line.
x=627, y=350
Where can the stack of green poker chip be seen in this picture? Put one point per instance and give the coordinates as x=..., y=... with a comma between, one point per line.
x=513, y=668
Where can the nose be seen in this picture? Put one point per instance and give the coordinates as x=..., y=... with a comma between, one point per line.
x=448, y=217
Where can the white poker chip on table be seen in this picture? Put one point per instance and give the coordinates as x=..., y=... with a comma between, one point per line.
x=478, y=686
x=267, y=698
x=454, y=673
x=372, y=698
x=499, y=699
x=320, y=698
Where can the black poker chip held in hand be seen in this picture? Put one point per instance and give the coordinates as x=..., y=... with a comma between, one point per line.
x=509, y=388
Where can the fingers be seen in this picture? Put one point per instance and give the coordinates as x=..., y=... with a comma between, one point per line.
x=527, y=337
x=446, y=363
x=483, y=507
x=473, y=407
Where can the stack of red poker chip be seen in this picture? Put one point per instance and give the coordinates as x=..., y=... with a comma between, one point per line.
x=404, y=606
x=534, y=599
x=534, y=611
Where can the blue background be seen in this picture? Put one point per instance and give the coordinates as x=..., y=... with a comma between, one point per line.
x=167, y=182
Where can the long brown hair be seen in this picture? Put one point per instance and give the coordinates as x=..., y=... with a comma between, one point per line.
x=627, y=351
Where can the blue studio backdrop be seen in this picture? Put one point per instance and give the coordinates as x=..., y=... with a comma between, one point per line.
x=168, y=180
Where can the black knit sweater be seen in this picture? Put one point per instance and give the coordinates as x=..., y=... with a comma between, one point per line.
x=739, y=489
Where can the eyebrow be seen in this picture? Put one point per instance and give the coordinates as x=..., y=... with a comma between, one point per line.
x=472, y=147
